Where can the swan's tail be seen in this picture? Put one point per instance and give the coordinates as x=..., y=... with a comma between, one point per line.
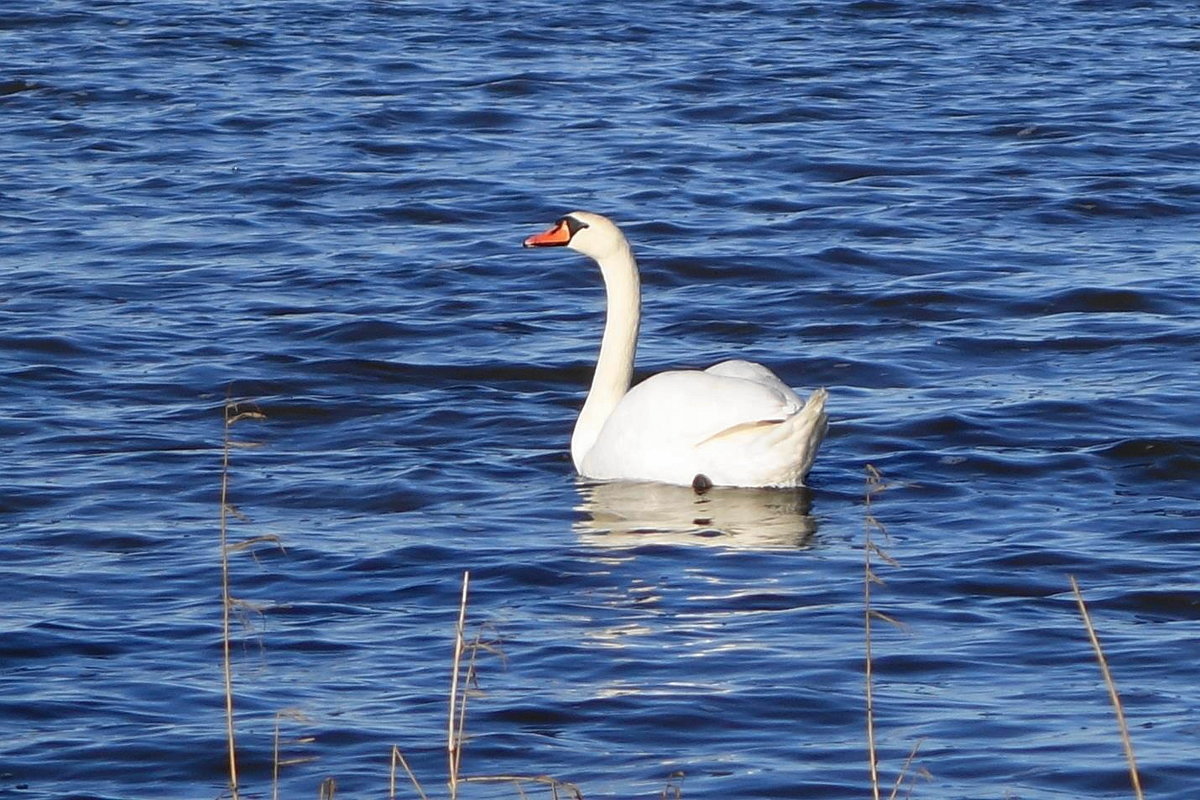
x=769, y=452
x=803, y=432
x=796, y=440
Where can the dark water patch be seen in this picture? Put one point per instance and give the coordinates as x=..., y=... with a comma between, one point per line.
x=1135, y=208
x=41, y=346
x=52, y=640
x=848, y=172
x=18, y=85
x=1099, y=301
x=348, y=493
x=1000, y=346
x=1164, y=605
x=1141, y=450
x=845, y=256
x=412, y=556
x=931, y=305
x=61, y=18
x=1176, y=462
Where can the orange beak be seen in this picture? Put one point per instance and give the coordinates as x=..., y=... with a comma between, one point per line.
x=557, y=236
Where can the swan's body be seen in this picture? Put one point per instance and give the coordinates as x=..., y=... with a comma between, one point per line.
x=733, y=424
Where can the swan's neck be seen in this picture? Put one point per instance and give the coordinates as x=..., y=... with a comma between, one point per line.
x=614, y=367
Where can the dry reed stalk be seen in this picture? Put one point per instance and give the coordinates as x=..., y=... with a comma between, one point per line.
x=398, y=758
x=1126, y=741
x=553, y=783
x=232, y=416
x=462, y=678
x=874, y=486
x=468, y=679
x=920, y=772
x=674, y=788
x=454, y=730
x=227, y=602
x=277, y=761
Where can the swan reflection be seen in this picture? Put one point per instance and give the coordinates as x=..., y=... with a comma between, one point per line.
x=627, y=514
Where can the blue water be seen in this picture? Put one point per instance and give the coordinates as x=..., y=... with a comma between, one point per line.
x=975, y=223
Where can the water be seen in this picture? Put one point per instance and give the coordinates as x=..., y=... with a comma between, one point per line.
x=974, y=223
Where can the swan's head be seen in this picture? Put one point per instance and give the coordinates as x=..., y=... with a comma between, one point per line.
x=591, y=234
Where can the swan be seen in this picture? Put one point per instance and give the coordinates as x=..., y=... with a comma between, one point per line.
x=733, y=424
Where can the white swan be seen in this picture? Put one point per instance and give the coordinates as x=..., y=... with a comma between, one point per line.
x=734, y=424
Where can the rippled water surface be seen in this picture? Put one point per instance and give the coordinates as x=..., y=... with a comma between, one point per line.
x=975, y=223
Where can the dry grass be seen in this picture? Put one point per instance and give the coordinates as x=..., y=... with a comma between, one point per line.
x=457, y=719
x=234, y=413
x=398, y=758
x=463, y=675
x=278, y=760
x=871, y=525
x=463, y=668
x=674, y=788
x=1113, y=696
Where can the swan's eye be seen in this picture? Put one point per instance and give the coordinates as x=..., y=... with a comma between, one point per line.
x=573, y=225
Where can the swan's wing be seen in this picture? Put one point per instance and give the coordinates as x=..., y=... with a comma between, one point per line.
x=658, y=427
x=694, y=406
x=756, y=373
x=741, y=427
